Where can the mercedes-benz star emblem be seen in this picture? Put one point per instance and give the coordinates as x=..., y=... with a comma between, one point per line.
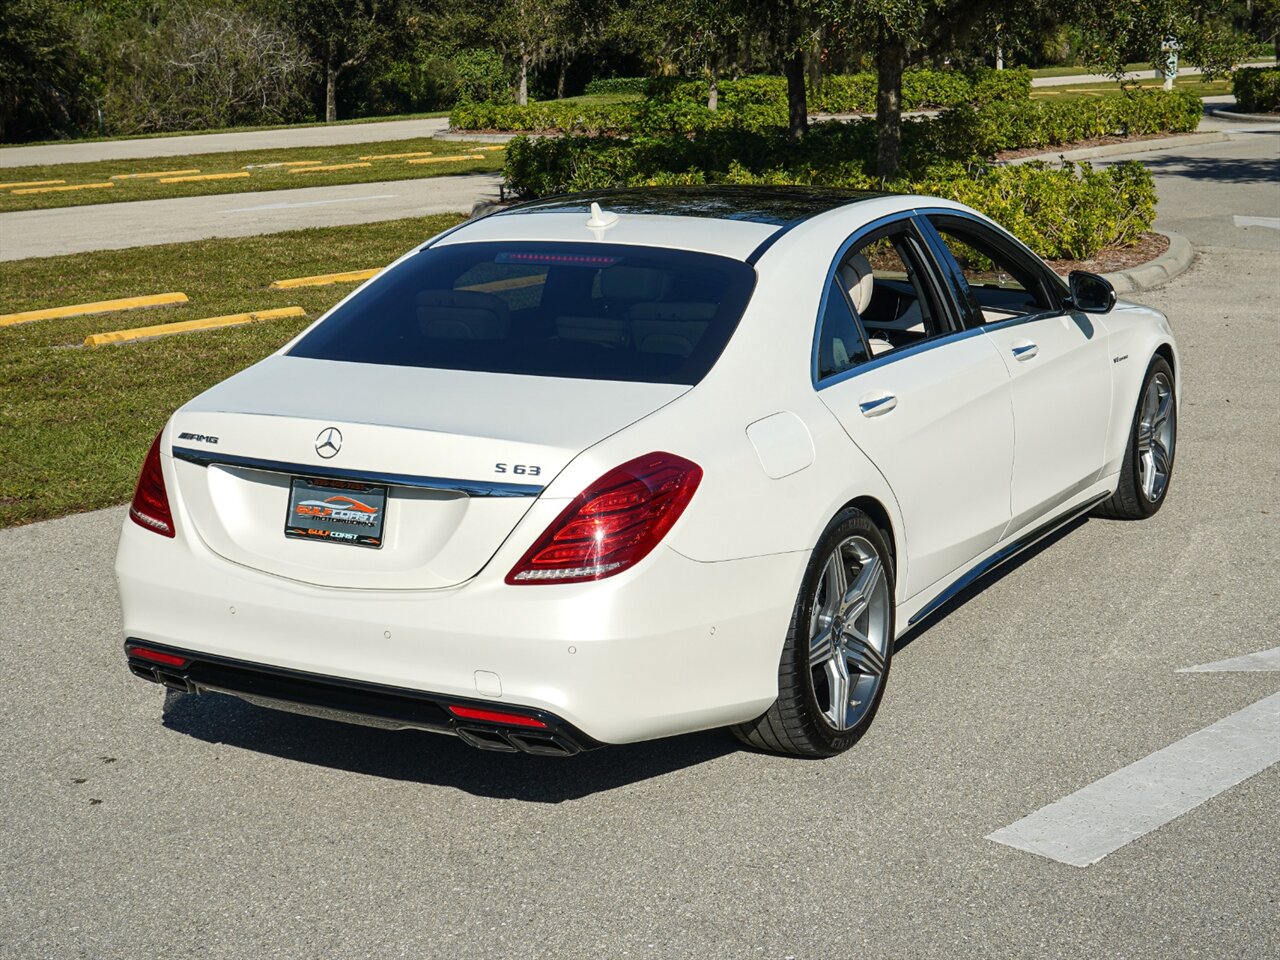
x=329, y=442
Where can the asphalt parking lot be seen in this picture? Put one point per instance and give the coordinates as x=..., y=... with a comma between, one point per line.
x=204, y=827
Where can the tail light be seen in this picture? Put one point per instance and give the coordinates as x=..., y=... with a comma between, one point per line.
x=613, y=524
x=150, y=507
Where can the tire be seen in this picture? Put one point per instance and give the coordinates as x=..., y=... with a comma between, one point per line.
x=833, y=649
x=1148, y=458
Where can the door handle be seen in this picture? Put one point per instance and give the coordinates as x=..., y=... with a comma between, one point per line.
x=1025, y=350
x=875, y=404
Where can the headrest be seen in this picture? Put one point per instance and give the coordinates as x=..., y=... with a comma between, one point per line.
x=676, y=311
x=856, y=276
x=632, y=283
x=462, y=315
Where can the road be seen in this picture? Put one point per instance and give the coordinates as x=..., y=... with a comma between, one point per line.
x=111, y=226
x=212, y=829
x=179, y=146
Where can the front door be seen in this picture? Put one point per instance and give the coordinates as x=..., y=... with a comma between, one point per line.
x=1058, y=364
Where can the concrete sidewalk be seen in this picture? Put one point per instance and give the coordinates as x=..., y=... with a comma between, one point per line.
x=1139, y=75
x=112, y=226
x=319, y=136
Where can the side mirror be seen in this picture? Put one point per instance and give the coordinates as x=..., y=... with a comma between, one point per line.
x=1090, y=292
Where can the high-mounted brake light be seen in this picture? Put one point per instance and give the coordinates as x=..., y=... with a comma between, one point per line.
x=613, y=524
x=150, y=507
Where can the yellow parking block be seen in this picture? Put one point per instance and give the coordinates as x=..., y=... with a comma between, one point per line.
x=324, y=279
x=461, y=156
x=500, y=146
x=282, y=163
x=205, y=176
x=152, y=175
x=74, y=186
x=98, y=306
x=30, y=183
x=188, y=326
x=398, y=156
x=332, y=166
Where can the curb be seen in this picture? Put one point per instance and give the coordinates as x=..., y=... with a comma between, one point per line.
x=1156, y=273
x=1234, y=116
x=1120, y=149
x=452, y=134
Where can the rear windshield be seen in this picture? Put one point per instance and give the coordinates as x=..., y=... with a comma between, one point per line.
x=586, y=311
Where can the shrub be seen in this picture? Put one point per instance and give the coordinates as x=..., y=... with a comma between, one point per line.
x=618, y=85
x=1257, y=89
x=482, y=77
x=1072, y=212
x=201, y=68
x=1012, y=125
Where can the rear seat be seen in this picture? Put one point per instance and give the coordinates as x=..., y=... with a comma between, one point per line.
x=670, y=328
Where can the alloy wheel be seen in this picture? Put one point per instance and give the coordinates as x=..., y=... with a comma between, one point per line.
x=849, y=633
x=1155, y=438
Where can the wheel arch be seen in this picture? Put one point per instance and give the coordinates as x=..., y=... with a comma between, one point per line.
x=883, y=520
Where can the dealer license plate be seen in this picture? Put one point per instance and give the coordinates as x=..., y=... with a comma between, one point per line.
x=336, y=511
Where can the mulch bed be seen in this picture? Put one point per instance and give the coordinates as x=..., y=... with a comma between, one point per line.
x=1112, y=259
x=1005, y=155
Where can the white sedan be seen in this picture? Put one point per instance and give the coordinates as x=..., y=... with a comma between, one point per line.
x=599, y=469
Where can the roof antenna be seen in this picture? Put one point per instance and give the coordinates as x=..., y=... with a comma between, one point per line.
x=600, y=218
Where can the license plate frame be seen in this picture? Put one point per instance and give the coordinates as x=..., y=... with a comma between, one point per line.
x=336, y=511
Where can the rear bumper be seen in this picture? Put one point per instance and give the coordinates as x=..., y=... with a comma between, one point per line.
x=352, y=701
x=670, y=647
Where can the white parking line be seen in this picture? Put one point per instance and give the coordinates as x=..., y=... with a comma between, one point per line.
x=311, y=203
x=1083, y=828
x=1272, y=222
x=1260, y=662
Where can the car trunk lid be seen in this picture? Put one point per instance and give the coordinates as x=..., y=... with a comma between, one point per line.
x=461, y=455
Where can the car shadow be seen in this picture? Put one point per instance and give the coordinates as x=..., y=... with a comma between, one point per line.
x=432, y=759
x=1220, y=170
x=995, y=576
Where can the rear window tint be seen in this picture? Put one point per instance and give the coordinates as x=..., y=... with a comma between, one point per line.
x=583, y=311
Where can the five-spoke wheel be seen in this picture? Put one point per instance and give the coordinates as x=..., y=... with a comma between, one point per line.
x=1148, y=460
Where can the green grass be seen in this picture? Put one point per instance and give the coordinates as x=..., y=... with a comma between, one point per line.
x=1141, y=67
x=272, y=179
x=1110, y=88
x=75, y=421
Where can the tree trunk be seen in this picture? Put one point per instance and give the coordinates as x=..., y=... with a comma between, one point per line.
x=560, y=77
x=797, y=101
x=522, y=82
x=330, y=90
x=891, y=60
x=713, y=89
x=999, y=57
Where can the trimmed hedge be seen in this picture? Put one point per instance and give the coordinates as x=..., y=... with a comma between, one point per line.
x=1257, y=89
x=1072, y=212
x=1010, y=125
x=963, y=132
x=750, y=103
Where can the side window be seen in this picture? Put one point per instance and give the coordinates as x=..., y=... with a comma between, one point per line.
x=888, y=287
x=840, y=344
x=999, y=282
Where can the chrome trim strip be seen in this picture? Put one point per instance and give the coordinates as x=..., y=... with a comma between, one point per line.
x=1003, y=556
x=472, y=488
x=900, y=354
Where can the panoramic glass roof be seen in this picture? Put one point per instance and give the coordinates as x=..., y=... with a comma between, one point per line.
x=773, y=205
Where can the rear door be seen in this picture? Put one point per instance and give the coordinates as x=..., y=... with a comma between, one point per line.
x=927, y=402
x=1058, y=362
